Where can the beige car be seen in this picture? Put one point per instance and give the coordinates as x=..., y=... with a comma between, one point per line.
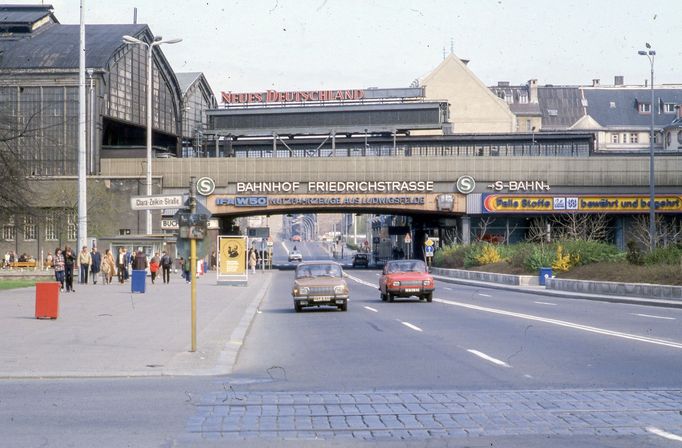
x=319, y=283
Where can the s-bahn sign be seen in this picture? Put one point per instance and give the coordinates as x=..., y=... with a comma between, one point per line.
x=513, y=203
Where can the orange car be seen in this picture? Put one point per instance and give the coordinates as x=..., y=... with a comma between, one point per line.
x=406, y=278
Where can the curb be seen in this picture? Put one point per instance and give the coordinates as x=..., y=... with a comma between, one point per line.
x=565, y=295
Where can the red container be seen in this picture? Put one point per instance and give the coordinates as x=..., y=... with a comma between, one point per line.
x=47, y=300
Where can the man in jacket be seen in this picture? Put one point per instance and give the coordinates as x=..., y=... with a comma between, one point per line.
x=84, y=261
x=140, y=261
x=166, y=263
x=95, y=263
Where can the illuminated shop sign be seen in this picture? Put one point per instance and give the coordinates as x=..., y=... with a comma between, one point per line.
x=336, y=187
x=512, y=203
x=273, y=96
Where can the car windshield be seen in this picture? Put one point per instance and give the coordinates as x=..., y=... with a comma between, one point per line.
x=406, y=266
x=319, y=270
x=360, y=256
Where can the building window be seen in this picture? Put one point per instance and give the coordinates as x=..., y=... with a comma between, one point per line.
x=71, y=226
x=552, y=112
x=50, y=227
x=8, y=232
x=29, y=228
x=669, y=108
x=612, y=104
x=529, y=128
x=679, y=136
x=634, y=137
x=614, y=138
x=644, y=108
x=625, y=138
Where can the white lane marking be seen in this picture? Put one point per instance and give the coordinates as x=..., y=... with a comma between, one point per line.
x=652, y=316
x=377, y=274
x=371, y=309
x=285, y=247
x=409, y=325
x=484, y=295
x=362, y=282
x=445, y=287
x=664, y=434
x=530, y=377
x=545, y=303
x=562, y=323
x=488, y=358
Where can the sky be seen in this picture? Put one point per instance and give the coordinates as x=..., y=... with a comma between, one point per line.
x=255, y=45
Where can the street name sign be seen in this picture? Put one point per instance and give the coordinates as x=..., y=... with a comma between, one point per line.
x=155, y=202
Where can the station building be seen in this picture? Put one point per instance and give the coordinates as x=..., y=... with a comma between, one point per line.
x=493, y=162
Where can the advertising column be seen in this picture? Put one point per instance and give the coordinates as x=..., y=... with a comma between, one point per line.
x=232, y=260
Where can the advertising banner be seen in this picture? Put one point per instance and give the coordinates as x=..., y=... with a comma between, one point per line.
x=578, y=203
x=232, y=259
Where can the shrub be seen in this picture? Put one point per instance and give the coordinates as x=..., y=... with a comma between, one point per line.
x=634, y=255
x=518, y=254
x=489, y=254
x=587, y=252
x=562, y=260
x=671, y=255
x=541, y=256
x=450, y=257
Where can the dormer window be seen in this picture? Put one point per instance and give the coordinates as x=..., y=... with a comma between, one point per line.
x=644, y=108
x=669, y=108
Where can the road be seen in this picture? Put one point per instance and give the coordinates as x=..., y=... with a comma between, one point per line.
x=477, y=367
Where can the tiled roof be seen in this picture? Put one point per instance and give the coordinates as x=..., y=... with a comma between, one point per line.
x=618, y=107
x=560, y=106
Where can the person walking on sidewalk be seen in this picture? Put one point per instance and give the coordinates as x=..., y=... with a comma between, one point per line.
x=140, y=261
x=95, y=264
x=166, y=263
x=253, y=260
x=108, y=267
x=70, y=262
x=84, y=260
x=58, y=262
x=121, y=265
x=154, y=266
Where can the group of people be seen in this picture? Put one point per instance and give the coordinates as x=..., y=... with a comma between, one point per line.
x=11, y=257
x=92, y=264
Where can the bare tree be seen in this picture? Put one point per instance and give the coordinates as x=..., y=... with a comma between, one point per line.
x=537, y=230
x=668, y=231
x=580, y=226
x=483, y=226
x=14, y=186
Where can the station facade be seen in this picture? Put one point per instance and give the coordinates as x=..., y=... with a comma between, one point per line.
x=446, y=156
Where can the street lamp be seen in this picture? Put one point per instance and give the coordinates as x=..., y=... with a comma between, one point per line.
x=156, y=41
x=649, y=53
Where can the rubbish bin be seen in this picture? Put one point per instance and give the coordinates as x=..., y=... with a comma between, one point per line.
x=545, y=273
x=138, y=281
x=47, y=300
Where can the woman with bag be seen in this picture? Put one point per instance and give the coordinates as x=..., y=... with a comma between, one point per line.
x=154, y=266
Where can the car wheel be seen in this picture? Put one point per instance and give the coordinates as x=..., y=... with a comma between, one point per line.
x=383, y=297
x=344, y=307
x=391, y=297
x=298, y=307
x=429, y=297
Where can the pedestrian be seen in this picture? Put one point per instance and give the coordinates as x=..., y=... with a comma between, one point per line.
x=253, y=260
x=49, y=260
x=58, y=261
x=95, y=264
x=121, y=264
x=108, y=267
x=139, y=261
x=84, y=260
x=154, y=266
x=166, y=263
x=213, y=261
x=70, y=262
x=129, y=258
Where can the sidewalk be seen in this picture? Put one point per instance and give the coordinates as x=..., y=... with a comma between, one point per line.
x=542, y=291
x=106, y=331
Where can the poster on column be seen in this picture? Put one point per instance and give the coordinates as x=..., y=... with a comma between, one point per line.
x=232, y=259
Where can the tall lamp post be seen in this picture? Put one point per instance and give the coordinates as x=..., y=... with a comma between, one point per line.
x=156, y=41
x=649, y=53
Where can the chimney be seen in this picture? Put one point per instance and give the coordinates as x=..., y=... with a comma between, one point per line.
x=618, y=80
x=532, y=90
x=646, y=83
x=502, y=83
x=595, y=82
